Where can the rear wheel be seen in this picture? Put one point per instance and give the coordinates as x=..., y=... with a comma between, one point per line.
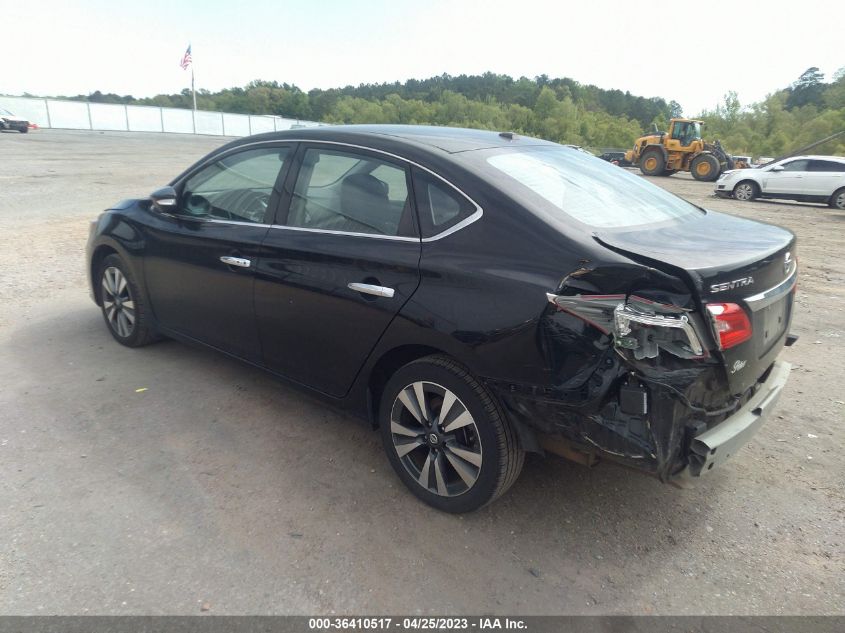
x=837, y=200
x=23, y=130
x=746, y=191
x=446, y=437
x=652, y=163
x=124, y=309
x=705, y=167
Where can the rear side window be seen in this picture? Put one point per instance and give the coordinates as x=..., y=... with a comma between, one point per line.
x=557, y=181
x=827, y=166
x=350, y=192
x=440, y=206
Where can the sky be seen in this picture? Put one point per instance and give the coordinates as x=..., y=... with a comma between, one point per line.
x=687, y=51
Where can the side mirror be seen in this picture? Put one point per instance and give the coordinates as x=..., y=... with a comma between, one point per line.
x=164, y=199
x=777, y=168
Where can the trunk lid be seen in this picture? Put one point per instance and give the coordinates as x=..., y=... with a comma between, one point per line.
x=726, y=259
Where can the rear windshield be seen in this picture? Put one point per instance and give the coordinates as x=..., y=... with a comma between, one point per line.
x=563, y=182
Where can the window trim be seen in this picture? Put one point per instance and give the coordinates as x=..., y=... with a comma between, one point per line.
x=283, y=204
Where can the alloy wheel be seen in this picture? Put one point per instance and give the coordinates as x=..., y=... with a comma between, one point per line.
x=840, y=201
x=118, y=304
x=744, y=192
x=436, y=438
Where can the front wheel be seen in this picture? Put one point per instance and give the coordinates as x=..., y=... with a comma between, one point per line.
x=705, y=167
x=124, y=308
x=652, y=163
x=746, y=191
x=837, y=200
x=446, y=437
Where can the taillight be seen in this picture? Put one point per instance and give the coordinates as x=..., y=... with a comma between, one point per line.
x=731, y=324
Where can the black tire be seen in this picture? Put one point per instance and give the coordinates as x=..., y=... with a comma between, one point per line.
x=746, y=191
x=705, y=167
x=140, y=331
x=23, y=130
x=652, y=163
x=490, y=437
x=837, y=200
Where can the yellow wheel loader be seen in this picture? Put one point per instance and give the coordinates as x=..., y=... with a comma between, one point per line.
x=679, y=149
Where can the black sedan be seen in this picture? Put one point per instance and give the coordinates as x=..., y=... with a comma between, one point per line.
x=475, y=295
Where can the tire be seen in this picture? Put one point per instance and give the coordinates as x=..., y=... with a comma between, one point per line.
x=23, y=130
x=461, y=465
x=837, y=200
x=123, y=305
x=652, y=163
x=746, y=191
x=705, y=167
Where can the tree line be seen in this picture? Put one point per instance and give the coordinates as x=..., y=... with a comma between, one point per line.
x=786, y=120
x=558, y=109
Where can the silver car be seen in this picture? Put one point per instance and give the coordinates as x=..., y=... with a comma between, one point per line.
x=802, y=178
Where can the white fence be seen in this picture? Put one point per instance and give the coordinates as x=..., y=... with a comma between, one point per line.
x=80, y=115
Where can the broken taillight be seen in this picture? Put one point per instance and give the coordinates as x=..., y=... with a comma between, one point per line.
x=731, y=324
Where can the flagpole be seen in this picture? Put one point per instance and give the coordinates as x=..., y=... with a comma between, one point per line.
x=194, y=92
x=194, y=95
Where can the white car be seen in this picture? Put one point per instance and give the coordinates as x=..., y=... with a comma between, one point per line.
x=803, y=178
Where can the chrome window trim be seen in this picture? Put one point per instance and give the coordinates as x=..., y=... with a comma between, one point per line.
x=394, y=238
x=477, y=215
x=774, y=294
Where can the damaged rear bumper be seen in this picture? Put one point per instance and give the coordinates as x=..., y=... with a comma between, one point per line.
x=714, y=446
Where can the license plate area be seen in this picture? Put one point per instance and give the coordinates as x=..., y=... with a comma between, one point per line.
x=772, y=321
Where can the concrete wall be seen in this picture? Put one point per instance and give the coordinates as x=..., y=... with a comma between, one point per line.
x=78, y=115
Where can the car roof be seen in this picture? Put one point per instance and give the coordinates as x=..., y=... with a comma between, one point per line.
x=840, y=159
x=451, y=140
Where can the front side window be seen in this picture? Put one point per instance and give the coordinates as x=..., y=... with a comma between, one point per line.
x=558, y=182
x=236, y=188
x=351, y=193
x=796, y=165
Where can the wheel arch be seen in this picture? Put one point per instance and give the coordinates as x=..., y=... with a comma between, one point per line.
x=831, y=201
x=387, y=364
x=105, y=246
x=395, y=358
x=655, y=147
x=100, y=253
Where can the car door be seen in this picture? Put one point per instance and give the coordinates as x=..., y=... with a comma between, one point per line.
x=824, y=177
x=786, y=178
x=338, y=265
x=200, y=260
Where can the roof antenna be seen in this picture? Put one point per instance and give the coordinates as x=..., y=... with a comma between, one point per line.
x=507, y=135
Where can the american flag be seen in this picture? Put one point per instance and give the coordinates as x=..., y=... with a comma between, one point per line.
x=186, y=59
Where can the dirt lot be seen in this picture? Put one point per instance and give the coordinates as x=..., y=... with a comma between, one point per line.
x=220, y=488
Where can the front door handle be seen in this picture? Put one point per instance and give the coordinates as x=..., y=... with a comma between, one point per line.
x=370, y=289
x=240, y=262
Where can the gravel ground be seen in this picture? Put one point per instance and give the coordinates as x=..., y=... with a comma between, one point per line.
x=219, y=489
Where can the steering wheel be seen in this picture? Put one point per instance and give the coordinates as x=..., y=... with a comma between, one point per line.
x=256, y=206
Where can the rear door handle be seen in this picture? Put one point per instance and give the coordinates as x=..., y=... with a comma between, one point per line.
x=240, y=262
x=370, y=289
